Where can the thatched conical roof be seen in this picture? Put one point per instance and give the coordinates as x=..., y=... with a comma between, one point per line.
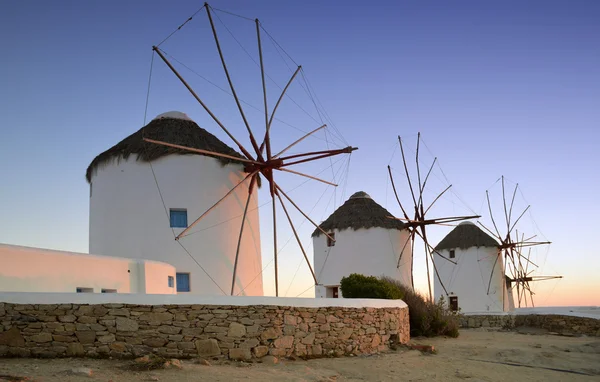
x=360, y=211
x=466, y=235
x=171, y=127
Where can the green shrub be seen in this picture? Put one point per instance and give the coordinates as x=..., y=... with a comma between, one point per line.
x=360, y=286
x=427, y=318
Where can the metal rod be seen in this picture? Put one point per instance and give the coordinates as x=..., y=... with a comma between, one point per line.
x=275, y=245
x=239, y=244
x=296, y=142
x=200, y=151
x=491, y=274
x=504, y=203
x=432, y=260
x=402, y=251
x=435, y=250
x=412, y=258
x=281, y=96
x=487, y=194
x=516, y=221
x=306, y=176
x=297, y=237
x=512, y=202
x=436, y=199
x=302, y=212
x=406, y=170
x=329, y=153
x=182, y=234
x=425, y=181
x=264, y=85
x=396, y=193
x=237, y=101
x=214, y=117
x=418, y=169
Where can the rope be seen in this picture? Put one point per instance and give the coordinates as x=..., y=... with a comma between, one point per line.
x=181, y=26
x=232, y=14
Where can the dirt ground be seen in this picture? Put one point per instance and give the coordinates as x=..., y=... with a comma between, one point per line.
x=477, y=355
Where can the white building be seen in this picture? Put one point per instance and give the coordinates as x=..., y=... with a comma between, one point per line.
x=26, y=269
x=143, y=194
x=367, y=241
x=476, y=283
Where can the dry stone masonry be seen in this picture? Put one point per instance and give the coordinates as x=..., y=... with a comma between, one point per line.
x=207, y=331
x=567, y=325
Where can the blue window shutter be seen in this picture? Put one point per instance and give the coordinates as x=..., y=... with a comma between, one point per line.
x=178, y=218
x=183, y=282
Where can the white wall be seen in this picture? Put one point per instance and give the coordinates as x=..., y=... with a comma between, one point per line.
x=26, y=269
x=470, y=277
x=371, y=252
x=127, y=219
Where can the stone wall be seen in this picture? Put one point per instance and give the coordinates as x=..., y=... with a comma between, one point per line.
x=562, y=324
x=184, y=331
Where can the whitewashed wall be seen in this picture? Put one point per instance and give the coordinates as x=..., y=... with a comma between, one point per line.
x=371, y=252
x=469, y=279
x=127, y=219
x=26, y=269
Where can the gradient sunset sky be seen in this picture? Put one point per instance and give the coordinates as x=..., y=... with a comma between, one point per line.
x=506, y=88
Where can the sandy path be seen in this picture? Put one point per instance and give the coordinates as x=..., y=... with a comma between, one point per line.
x=463, y=359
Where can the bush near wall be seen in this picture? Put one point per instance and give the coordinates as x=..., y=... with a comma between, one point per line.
x=427, y=318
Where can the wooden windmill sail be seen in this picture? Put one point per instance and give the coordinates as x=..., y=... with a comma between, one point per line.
x=519, y=267
x=261, y=159
x=418, y=223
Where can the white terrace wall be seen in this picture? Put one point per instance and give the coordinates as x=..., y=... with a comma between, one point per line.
x=26, y=269
x=372, y=252
x=185, y=326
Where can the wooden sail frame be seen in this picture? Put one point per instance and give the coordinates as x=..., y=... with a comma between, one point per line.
x=417, y=225
x=259, y=163
x=511, y=248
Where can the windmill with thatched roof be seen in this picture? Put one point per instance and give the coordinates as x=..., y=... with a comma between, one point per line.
x=468, y=283
x=127, y=209
x=367, y=241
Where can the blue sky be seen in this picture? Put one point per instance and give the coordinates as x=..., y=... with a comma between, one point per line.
x=510, y=88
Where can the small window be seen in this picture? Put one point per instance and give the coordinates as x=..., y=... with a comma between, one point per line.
x=183, y=282
x=171, y=281
x=452, y=254
x=178, y=218
x=109, y=290
x=454, y=303
x=331, y=243
x=85, y=290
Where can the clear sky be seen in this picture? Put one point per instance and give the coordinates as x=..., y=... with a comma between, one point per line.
x=506, y=88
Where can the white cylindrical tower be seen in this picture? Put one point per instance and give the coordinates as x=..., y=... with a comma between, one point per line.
x=367, y=241
x=143, y=194
x=476, y=283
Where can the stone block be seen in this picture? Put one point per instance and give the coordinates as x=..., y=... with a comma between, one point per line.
x=260, y=351
x=106, y=339
x=75, y=350
x=86, y=336
x=208, y=348
x=216, y=329
x=285, y=342
x=236, y=330
x=240, y=354
x=309, y=339
x=12, y=337
x=126, y=324
x=67, y=318
x=169, y=329
x=155, y=342
x=41, y=337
